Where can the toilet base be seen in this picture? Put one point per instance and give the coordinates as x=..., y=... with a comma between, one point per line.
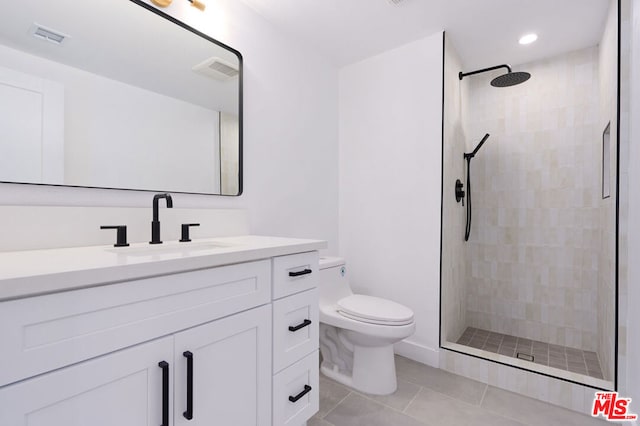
x=374, y=370
x=368, y=369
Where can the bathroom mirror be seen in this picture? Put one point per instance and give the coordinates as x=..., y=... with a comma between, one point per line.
x=117, y=94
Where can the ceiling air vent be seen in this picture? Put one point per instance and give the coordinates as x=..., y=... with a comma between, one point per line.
x=217, y=68
x=47, y=34
x=395, y=2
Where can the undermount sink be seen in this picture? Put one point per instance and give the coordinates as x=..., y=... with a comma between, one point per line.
x=174, y=248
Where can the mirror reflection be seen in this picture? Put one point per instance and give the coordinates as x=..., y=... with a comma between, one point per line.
x=109, y=94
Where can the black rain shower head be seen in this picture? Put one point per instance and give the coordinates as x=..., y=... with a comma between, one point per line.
x=505, y=80
x=510, y=79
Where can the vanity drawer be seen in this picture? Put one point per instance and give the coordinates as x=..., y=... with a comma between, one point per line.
x=294, y=273
x=48, y=332
x=295, y=328
x=289, y=384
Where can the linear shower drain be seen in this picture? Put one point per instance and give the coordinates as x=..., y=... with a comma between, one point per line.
x=526, y=357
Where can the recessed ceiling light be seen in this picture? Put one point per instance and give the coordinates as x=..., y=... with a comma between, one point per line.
x=528, y=38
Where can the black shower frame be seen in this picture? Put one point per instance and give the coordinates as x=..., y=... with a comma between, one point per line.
x=617, y=232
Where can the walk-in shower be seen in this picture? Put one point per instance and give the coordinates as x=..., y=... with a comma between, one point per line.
x=531, y=281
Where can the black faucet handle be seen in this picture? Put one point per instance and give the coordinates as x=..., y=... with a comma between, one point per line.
x=121, y=235
x=185, y=231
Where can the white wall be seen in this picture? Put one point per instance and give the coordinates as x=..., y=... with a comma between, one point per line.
x=159, y=143
x=390, y=172
x=633, y=324
x=290, y=134
x=178, y=135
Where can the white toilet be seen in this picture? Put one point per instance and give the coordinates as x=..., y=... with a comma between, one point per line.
x=357, y=332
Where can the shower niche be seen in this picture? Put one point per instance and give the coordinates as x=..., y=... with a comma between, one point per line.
x=528, y=275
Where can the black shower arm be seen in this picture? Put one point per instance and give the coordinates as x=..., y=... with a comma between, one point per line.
x=497, y=67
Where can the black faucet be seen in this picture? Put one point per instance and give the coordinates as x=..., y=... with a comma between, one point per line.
x=155, y=224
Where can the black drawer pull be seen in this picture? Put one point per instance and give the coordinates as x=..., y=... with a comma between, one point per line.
x=300, y=326
x=165, y=392
x=306, y=390
x=189, y=413
x=298, y=273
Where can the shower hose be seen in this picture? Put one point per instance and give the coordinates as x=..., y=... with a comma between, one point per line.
x=467, y=230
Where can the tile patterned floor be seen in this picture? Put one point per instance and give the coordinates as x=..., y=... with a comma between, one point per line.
x=428, y=396
x=562, y=357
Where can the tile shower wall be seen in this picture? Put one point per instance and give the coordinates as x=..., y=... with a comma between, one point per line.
x=532, y=259
x=453, y=213
x=606, y=207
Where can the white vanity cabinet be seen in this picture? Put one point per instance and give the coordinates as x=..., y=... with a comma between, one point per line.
x=150, y=384
x=123, y=388
x=199, y=347
x=230, y=371
x=295, y=338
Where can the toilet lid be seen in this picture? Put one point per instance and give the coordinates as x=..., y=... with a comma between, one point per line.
x=374, y=310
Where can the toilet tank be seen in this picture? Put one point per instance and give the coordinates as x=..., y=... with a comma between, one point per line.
x=334, y=284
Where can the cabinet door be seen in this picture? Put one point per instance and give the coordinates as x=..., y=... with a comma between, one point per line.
x=124, y=388
x=230, y=370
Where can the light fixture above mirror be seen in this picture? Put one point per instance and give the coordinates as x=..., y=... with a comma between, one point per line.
x=166, y=3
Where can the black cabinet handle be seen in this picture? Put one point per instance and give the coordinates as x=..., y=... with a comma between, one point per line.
x=298, y=273
x=165, y=392
x=189, y=413
x=306, y=390
x=304, y=324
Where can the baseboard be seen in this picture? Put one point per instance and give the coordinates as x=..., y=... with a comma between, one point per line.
x=418, y=353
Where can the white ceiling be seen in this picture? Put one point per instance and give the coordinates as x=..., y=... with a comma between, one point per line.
x=484, y=32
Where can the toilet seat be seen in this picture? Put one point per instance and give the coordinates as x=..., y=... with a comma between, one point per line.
x=374, y=310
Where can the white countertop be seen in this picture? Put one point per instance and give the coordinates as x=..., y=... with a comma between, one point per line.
x=34, y=272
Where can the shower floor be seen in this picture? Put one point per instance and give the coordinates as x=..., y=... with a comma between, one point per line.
x=562, y=357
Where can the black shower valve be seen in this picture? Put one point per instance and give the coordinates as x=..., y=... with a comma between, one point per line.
x=459, y=191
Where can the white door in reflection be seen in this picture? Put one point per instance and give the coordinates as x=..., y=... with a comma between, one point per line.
x=31, y=128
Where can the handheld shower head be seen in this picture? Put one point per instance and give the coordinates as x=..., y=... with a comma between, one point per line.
x=473, y=154
x=468, y=157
